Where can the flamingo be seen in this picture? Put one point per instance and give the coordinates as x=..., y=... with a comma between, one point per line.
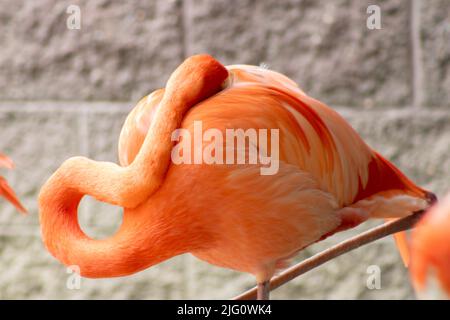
x=5, y=189
x=228, y=215
x=430, y=253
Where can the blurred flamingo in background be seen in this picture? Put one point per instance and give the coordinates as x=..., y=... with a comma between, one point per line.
x=229, y=215
x=430, y=253
x=5, y=189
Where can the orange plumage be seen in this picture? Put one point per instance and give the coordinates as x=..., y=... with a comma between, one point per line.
x=229, y=215
x=5, y=189
x=430, y=252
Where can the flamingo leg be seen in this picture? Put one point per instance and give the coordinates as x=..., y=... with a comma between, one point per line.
x=263, y=291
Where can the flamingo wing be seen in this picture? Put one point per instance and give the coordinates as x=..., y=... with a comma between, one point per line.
x=265, y=220
x=331, y=149
x=363, y=182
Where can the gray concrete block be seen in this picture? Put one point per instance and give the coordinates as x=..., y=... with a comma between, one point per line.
x=323, y=45
x=123, y=49
x=435, y=36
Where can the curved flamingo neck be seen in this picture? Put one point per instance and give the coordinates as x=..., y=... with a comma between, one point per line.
x=198, y=78
x=140, y=240
x=145, y=237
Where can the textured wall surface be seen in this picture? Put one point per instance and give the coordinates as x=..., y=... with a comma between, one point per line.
x=67, y=92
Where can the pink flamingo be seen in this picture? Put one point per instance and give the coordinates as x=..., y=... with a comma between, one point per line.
x=228, y=215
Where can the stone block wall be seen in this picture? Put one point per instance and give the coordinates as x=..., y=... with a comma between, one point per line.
x=67, y=92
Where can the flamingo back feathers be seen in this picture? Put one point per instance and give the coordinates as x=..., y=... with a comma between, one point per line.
x=313, y=136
